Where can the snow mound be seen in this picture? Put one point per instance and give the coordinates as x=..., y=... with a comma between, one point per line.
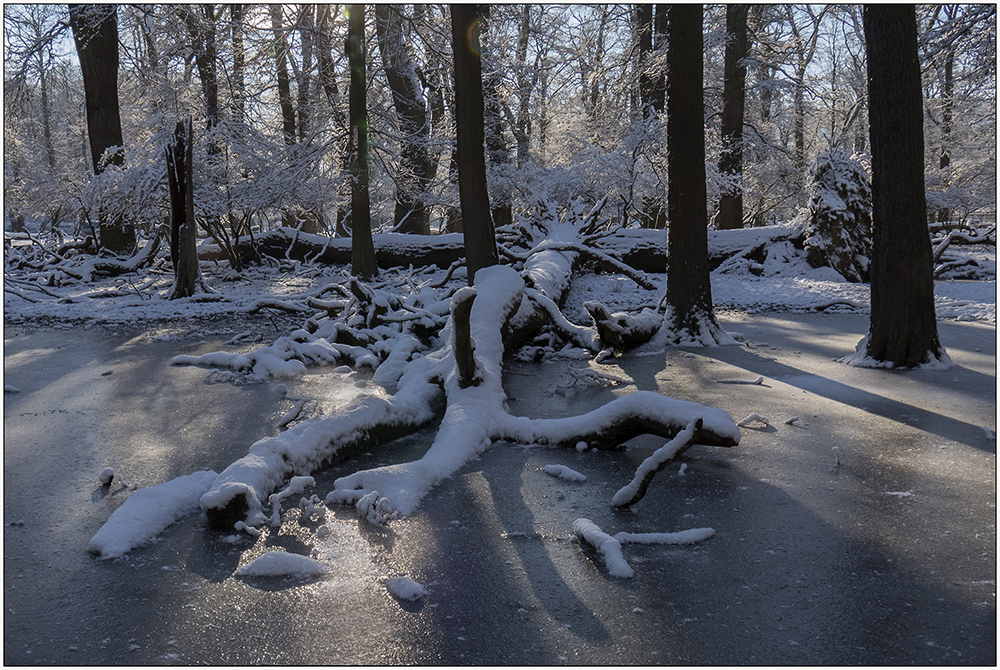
x=282, y=564
x=405, y=589
x=563, y=472
x=149, y=511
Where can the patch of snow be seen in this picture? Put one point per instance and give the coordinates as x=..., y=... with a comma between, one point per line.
x=7, y=388
x=405, y=589
x=563, y=472
x=149, y=511
x=282, y=564
x=107, y=476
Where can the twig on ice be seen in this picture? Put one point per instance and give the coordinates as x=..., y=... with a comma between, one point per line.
x=755, y=382
x=634, y=491
x=605, y=545
x=751, y=418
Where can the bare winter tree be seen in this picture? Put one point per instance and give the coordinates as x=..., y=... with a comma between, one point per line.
x=480, y=239
x=363, y=249
x=690, y=315
x=95, y=31
x=408, y=99
x=730, y=214
x=903, y=330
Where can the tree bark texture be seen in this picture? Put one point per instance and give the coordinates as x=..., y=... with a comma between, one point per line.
x=183, y=250
x=362, y=249
x=903, y=322
x=238, y=83
x=411, y=117
x=689, y=291
x=95, y=31
x=477, y=221
x=284, y=83
x=730, y=215
x=202, y=31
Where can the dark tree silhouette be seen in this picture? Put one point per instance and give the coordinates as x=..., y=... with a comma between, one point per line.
x=362, y=248
x=95, y=31
x=690, y=316
x=480, y=239
x=408, y=99
x=730, y=214
x=903, y=330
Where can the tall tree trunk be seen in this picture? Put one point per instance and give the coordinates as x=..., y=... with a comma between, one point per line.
x=730, y=214
x=903, y=330
x=644, y=23
x=499, y=156
x=480, y=239
x=95, y=32
x=690, y=315
x=180, y=186
x=50, y=152
x=306, y=32
x=362, y=248
x=524, y=85
x=239, y=91
x=408, y=99
x=202, y=31
x=284, y=83
x=947, y=114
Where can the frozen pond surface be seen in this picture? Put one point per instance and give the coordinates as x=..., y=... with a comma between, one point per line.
x=886, y=558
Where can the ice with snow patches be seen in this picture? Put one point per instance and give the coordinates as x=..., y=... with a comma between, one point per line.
x=282, y=564
x=148, y=512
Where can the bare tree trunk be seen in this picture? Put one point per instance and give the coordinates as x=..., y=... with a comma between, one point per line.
x=480, y=239
x=284, y=83
x=238, y=92
x=362, y=248
x=730, y=214
x=408, y=98
x=903, y=329
x=202, y=31
x=306, y=31
x=95, y=31
x=180, y=185
x=499, y=156
x=522, y=132
x=690, y=313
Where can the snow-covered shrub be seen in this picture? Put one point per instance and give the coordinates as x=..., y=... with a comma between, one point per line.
x=840, y=216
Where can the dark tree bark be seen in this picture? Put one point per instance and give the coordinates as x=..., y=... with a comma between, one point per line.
x=201, y=28
x=362, y=248
x=408, y=99
x=480, y=239
x=284, y=83
x=522, y=132
x=306, y=32
x=730, y=215
x=689, y=291
x=903, y=330
x=644, y=24
x=95, y=31
x=499, y=156
x=180, y=186
x=238, y=79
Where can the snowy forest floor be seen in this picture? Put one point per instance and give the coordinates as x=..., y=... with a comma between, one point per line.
x=881, y=551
